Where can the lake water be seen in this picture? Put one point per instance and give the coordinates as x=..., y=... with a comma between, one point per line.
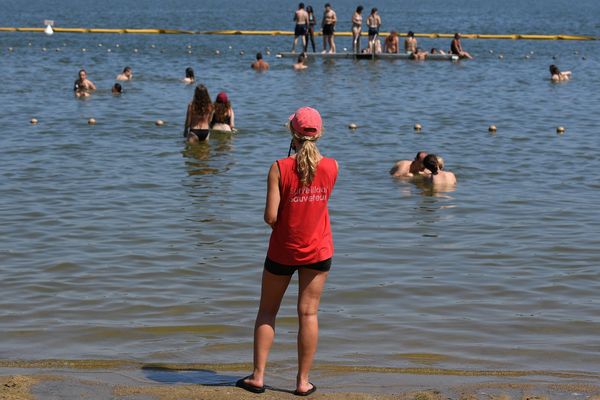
x=118, y=242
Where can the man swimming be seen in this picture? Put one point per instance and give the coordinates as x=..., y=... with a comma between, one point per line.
x=126, y=75
x=418, y=54
x=409, y=169
x=301, y=19
x=300, y=63
x=259, y=64
x=328, y=25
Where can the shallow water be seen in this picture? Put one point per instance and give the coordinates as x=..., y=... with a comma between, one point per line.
x=117, y=241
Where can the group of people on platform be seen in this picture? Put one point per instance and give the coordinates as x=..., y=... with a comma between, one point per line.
x=305, y=20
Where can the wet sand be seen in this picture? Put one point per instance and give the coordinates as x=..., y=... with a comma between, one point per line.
x=57, y=379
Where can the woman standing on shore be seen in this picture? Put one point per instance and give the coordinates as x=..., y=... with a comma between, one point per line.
x=198, y=116
x=356, y=29
x=298, y=190
x=310, y=33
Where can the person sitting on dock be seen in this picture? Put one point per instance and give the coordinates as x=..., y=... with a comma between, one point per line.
x=83, y=86
x=418, y=54
x=300, y=64
x=410, y=43
x=259, y=64
x=301, y=19
x=456, y=47
x=126, y=75
x=328, y=25
x=409, y=169
x=391, y=43
x=373, y=23
x=557, y=76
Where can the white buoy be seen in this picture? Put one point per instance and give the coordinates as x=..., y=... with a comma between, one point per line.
x=492, y=128
x=29, y=44
x=108, y=50
x=159, y=122
x=189, y=52
x=560, y=130
x=345, y=49
x=10, y=49
x=91, y=121
x=418, y=127
x=527, y=56
x=117, y=45
x=135, y=50
x=242, y=53
x=500, y=56
x=48, y=31
x=268, y=52
x=44, y=49
x=352, y=126
x=153, y=46
x=84, y=50
x=217, y=52
x=33, y=121
x=99, y=44
x=278, y=56
x=189, y=46
x=230, y=47
x=491, y=51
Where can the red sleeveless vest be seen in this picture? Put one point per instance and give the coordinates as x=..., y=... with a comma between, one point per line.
x=302, y=234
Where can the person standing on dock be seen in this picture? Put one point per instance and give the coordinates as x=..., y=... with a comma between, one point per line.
x=328, y=25
x=373, y=23
x=301, y=18
x=356, y=29
x=457, y=49
x=310, y=34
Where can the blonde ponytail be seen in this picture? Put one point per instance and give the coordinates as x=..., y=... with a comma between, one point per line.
x=307, y=159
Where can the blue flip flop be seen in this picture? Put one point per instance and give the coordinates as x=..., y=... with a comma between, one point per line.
x=251, y=388
x=308, y=392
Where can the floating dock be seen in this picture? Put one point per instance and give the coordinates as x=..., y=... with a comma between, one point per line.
x=377, y=56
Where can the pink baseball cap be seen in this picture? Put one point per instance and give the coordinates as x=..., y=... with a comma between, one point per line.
x=306, y=121
x=222, y=98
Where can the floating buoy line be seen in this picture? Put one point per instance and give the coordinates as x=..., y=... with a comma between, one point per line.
x=290, y=33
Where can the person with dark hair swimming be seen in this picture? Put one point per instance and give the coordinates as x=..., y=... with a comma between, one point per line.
x=300, y=63
x=310, y=33
x=259, y=64
x=126, y=75
x=408, y=168
x=117, y=89
x=435, y=164
x=557, y=76
x=457, y=49
x=298, y=191
x=198, y=116
x=189, y=76
x=328, y=25
x=223, y=117
x=356, y=29
x=83, y=86
x=301, y=19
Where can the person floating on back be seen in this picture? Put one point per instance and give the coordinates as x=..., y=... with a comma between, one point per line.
x=259, y=64
x=457, y=49
x=557, y=76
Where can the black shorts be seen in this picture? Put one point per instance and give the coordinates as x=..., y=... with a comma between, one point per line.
x=300, y=30
x=281, y=269
x=201, y=134
x=373, y=31
x=328, y=29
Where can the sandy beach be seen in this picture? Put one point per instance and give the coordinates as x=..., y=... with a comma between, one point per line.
x=57, y=379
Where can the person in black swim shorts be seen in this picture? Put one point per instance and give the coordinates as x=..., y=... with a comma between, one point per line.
x=328, y=25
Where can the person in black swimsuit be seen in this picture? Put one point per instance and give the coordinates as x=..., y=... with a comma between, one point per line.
x=199, y=113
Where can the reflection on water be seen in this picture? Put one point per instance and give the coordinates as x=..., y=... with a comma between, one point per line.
x=200, y=158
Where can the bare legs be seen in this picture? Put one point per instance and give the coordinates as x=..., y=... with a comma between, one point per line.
x=356, y=40
x=296, y=41
x=311, y=285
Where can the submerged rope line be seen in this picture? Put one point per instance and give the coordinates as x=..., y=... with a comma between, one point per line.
x=290, y=33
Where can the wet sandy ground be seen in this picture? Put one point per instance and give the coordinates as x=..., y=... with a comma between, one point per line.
x=133, y=383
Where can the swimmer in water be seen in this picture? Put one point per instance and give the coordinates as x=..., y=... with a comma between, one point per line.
x=418, y=54
x=557, y=76
x=189, y=76
x=409, y=169
x=223, y=117
x=117, y=89
x=301, y=19
x=410, y=43
x=126, y=75
x=300, y=64
x=259, y=64
x=356, y=29
x=83, y=86
x=328, y=25
x=391, y=43
x=198, y=116
x=457, y=49
x=438, y=177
